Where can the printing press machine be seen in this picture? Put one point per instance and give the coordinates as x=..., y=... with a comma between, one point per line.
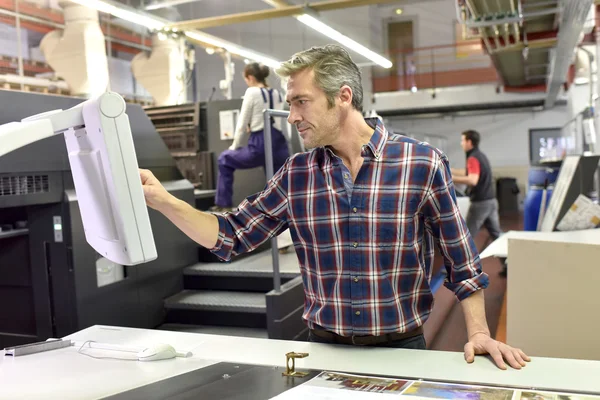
x=54, y=282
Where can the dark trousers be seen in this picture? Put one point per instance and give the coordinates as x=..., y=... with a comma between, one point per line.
x=415, y=342
x=251, y=156
x=484, y=214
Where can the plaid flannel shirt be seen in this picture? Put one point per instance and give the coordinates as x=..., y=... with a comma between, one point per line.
x=366, y=256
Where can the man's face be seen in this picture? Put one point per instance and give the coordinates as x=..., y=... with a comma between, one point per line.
x=317, y=124
x=465, y=144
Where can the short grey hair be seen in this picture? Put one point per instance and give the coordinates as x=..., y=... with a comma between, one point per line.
x=333, y=68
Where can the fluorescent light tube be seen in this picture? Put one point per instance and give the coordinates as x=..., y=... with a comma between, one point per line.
x=168, y=3
x=232, y=48
x=157, y=23
x=331, y=33
x=131, y=16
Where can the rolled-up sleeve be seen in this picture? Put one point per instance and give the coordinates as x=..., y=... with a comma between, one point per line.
x=444, y=221
x=258, y=218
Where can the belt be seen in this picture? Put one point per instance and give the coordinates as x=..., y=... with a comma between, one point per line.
x=366, y=340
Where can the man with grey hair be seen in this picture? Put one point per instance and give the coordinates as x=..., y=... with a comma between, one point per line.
x=364, y=208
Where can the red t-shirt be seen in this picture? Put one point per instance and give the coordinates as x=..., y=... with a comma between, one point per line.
x=473, y=167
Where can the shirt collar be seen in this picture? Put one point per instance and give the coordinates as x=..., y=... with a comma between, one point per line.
x=379, y=137
x=377, y=141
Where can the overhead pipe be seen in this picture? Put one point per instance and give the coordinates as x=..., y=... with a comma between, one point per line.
x=516, y=28
x=530, y=45
x=589, y=112
x=542, y=4
x=57, y=25
x=462, y=10
x=591, y=74
x=519, y=18
x=494, y=27
x=462, y=16
x=572, y=21
x=496, y=36
x=471, y=8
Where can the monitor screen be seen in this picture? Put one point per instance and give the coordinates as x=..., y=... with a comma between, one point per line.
x=107, y=182
x=549, y=144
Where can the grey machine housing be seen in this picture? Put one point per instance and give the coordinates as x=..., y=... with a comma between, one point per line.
x=48, y=273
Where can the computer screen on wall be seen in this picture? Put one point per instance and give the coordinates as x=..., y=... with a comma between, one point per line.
x=547, y=144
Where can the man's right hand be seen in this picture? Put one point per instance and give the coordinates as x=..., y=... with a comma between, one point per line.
x=201, y=227
x=156, y=195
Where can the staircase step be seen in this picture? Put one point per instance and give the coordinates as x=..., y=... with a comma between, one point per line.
x=217, y=300
x=206, y=256
x=255, y=266
x=217, y=330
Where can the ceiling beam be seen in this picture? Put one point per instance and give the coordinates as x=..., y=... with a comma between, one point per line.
x=286, y=11
x=535, y=40
x=534, y=44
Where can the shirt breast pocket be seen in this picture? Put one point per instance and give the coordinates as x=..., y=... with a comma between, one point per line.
x=394, y=226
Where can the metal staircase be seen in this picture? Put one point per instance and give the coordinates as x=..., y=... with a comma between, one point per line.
x=237, y=298
x=245, y=296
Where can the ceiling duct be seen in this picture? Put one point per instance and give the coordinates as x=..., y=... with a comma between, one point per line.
x=78, y=52
x=573, y=18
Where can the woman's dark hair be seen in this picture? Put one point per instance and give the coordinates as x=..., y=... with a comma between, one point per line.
x=258, y=71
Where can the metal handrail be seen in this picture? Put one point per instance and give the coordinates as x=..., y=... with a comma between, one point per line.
x=267, y=114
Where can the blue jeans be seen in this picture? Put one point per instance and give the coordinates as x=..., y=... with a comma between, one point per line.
x=415, y=342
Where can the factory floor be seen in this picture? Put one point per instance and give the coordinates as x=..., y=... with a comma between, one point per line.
x=453, y=333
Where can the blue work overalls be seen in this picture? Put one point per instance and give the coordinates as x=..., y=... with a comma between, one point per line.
x=251, y=156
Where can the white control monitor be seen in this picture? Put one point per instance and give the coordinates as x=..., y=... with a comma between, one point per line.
x=105, y=173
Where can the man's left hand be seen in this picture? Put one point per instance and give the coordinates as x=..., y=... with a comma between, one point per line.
x=481, y=343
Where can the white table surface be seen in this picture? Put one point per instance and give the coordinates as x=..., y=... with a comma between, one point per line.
x=65, y=374
x=499, y=247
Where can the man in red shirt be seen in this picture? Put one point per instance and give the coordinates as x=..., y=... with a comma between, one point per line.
x=483, y=210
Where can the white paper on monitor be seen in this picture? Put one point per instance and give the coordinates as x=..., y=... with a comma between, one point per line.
x=589, y=131
x=565, y=176
x=227, y=121
x=583, y=214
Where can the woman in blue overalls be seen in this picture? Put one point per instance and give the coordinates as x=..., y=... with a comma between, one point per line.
x=258, y=97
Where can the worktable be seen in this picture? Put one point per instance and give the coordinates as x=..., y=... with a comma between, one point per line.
x=67, y=374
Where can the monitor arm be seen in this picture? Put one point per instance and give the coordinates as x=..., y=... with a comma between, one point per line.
x=15, y=135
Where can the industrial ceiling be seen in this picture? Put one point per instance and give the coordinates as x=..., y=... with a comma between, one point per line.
x=530, y=42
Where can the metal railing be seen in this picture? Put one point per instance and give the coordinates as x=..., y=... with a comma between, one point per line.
x=267, y=115
x=433, y=67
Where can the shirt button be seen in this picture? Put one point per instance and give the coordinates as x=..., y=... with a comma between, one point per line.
x=355, y=244
x=357, y=313
x=355, y=279
x=354, y=209
x=346, y=176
